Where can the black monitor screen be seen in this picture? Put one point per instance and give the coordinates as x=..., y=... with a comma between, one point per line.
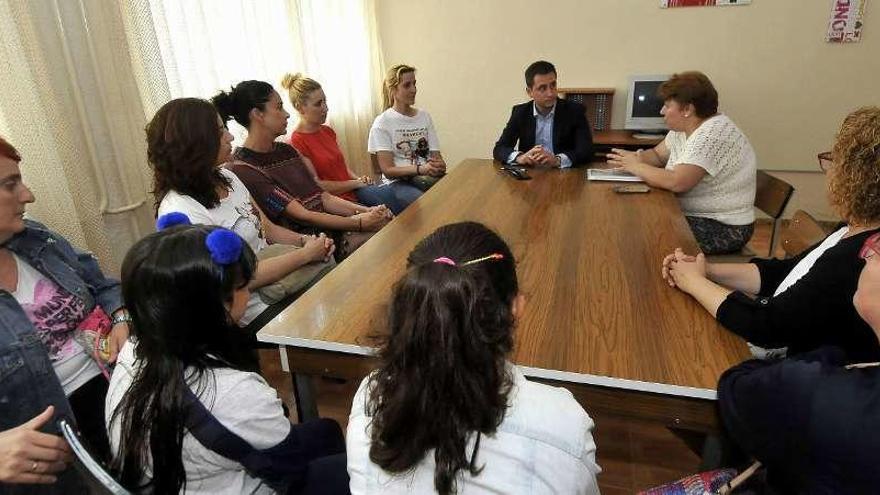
x=645, y=102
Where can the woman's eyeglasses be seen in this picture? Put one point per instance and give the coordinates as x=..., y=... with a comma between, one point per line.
x=870, y=247
x=824, y=161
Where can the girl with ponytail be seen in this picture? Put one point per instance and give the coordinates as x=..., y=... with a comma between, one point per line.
x=446, y=412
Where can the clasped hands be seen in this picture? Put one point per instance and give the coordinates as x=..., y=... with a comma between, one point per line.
x=681, y=270
x=538, y=156
x=372, y=218
x=318, y=247
x=365, y=180
x=435, y=167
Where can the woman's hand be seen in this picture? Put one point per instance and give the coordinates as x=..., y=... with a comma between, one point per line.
x=116, y=339
x=437, y=164
x=624, y=159
x=30, y=456
x=667, y=263
x=372, y=220
x=383, y=210
x=318, y=247
x=685, y=270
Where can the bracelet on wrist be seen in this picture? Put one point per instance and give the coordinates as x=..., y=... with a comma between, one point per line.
x=120, y=317
x=417, y=169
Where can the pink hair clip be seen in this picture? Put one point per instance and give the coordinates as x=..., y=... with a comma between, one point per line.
x=445, y=261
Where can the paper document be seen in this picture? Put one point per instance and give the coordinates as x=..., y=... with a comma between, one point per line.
x=612, y=174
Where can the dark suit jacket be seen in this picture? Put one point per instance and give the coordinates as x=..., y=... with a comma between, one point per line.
x=571, y=132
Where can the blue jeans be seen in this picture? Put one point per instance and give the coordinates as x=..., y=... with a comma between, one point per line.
x=396, y=195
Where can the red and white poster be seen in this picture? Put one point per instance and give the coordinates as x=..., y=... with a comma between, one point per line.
x=845, y=23
x=668, y=4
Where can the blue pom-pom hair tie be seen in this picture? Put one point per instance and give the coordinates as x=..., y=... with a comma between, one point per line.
x=171, y=219
x=224, y=245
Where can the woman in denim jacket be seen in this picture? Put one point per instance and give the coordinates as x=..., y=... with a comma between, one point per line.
x=50, y=294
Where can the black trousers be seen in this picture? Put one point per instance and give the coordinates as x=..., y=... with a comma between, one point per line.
x=87, y=403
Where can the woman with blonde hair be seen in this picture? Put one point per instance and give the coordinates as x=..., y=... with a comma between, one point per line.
x=403, y=138
x=317, y=142
x=806, y=301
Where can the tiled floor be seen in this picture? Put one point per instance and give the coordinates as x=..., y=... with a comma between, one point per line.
x=633, y=455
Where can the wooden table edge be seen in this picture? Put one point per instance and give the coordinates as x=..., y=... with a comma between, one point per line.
x=673, y=406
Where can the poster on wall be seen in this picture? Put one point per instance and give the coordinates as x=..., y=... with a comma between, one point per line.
x=845, y=22
x=668, y=4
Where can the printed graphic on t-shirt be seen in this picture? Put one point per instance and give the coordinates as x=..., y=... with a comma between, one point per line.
x=55, y=314
x=412, y=144
x=248, y=213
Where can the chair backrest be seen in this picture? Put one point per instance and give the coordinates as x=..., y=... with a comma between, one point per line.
x=771, y=197
x=802, y=232
x=596, y=102
x=97, y=478
x=771, y=194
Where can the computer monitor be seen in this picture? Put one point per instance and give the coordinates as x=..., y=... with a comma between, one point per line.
x=643, y=105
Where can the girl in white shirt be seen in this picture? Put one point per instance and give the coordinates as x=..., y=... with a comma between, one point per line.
x=185, y=411
x=446, y=412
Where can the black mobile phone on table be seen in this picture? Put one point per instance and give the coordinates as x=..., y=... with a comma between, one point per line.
x=518, y=173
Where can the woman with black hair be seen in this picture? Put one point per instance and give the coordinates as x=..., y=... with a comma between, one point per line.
x=184, y=412
x=446, y=411
x=282, y=181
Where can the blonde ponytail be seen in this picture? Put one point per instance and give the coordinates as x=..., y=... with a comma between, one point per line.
x=298, y=87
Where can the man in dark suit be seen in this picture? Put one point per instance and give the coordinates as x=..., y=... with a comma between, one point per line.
x=551, y=132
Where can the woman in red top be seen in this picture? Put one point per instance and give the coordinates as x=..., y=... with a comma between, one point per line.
x=282, y=181
x=317, y=142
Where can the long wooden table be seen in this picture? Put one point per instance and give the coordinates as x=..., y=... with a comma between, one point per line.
x=599, y=320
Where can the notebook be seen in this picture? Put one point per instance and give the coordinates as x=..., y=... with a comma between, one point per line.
x=612, y=174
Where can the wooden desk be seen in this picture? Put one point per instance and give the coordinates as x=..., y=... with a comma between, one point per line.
x=619, y=138
x=599, y=319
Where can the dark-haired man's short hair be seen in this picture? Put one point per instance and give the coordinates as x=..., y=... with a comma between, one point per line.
x=539, y=67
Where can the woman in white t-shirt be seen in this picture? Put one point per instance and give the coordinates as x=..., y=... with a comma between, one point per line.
x=404, y=140
x=705, y=159
x=187, y=143
x=446, y=411
x=803, y=302
x=185, y=411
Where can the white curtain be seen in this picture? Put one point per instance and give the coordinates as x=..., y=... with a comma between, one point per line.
x=69, y=104
x=79, y=79
x=340, y=48
x=198, y=47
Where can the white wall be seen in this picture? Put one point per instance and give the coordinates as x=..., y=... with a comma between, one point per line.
x=777, y=78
